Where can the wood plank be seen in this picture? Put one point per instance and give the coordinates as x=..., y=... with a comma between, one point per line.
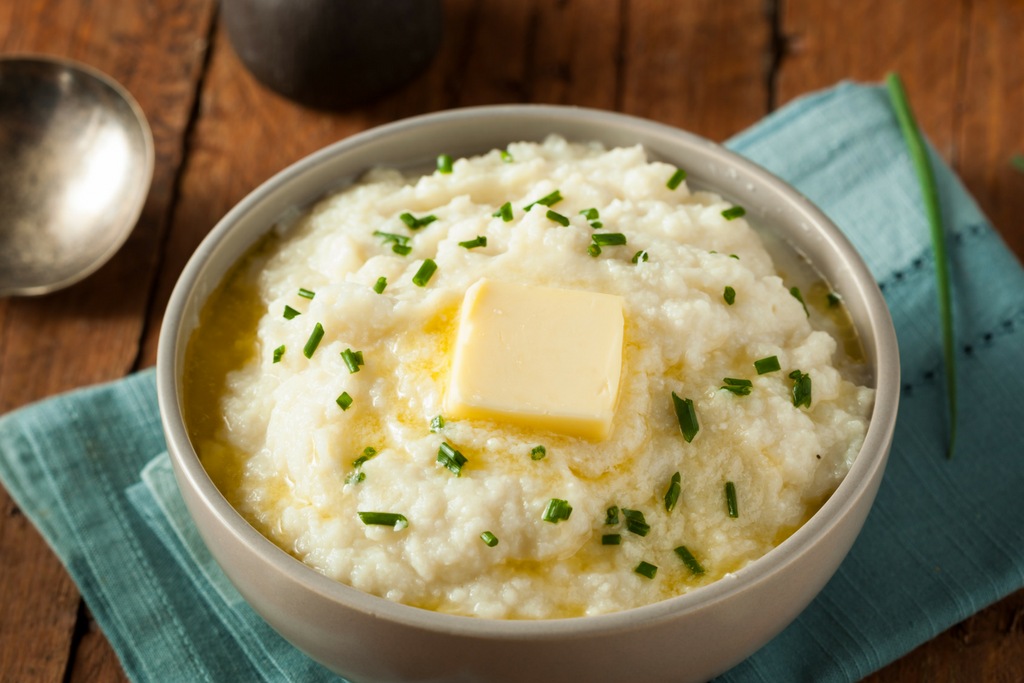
x=90, y=332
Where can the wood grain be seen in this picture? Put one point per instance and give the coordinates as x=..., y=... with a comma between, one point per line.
x=90, y=332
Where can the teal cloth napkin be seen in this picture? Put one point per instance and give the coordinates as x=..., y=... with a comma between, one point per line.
x=944, y=539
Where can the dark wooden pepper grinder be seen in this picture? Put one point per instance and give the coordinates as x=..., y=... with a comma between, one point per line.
x=334, y=54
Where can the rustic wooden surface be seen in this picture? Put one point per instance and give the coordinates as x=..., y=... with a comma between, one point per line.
x=708, y=66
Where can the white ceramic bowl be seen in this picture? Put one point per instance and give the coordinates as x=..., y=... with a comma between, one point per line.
x=692, y=637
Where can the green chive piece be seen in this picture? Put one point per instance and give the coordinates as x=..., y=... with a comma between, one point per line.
x=437, y=424
x=729, y=296
x=384, y=519
x=548, y=201
x=402, y=249
x=391, y=237
x=689, y=560
x=676, y=180
x=833, y=299
x=504, y=212
x=930, y=194
x=423, y=275
x=344, y=401
x=739, y=391
x=801, y=388
x=635, y=522
x=611, y=539
x=612, y=516
x=597, y=225
x=640, y=256
x=506, y=157
x=451, y=458
x=609, y=239
x=290, y=312
x=737, y=382
x=306, y=293
x=314, y=341
x=672, y=495
x=646, y=569
x=353, y=359
x=734, y=212
x=538, y=453
x=687, y=417
x=594, y=250
x=416, y=223
x=489, y=539
x=795, y=291
x=638, y=515
x=558, y=218
x=556, y=511
x=766, y=365
x=355, y=477
x=382, y=282
x=480, y=241
x=1017, y=161
x=369, y=453
x=730, y=499
x=444, y=163
x=278, y=353
x=590, y=214
x=734, y=256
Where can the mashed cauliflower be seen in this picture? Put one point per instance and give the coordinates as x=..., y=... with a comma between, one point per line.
x=282, y=448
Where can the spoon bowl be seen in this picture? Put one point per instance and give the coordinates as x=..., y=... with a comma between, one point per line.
x=76, y=161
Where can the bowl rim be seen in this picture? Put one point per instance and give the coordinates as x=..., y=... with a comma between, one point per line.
x=841, y=503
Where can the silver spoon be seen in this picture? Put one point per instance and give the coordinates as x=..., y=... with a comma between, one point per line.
x=76, y=160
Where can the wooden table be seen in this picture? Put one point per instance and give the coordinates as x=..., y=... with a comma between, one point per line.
x=710, y=66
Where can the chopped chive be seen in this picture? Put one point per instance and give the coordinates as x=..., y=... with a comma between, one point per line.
x=729, y=296
x=689, y=560
x=672, y=495
x=423, y=275
x=640, y=256
x=930, y=195
x=451, y=458
x=290, y=312
x=597, y=225
x=730, y=500
x=676, y=180
x=384, y=519
x=795, y=291
x=594, y=250
x=538, y=453
x=278, y=353
x=305, y=293
x=734, y=256
x=344, y=401
x=444, y=163
x=314, y=340
x=739, y=391
x=382, y=282
x=612, y=516
x=638, y=515
x=635, y=522
x=391, y=237
x=504, y=212
x=737, y=382
x=611, y=539
x=590, y=214
x=506, y=157
x=402, y=249
x=766, y=365
x=437, y=424
x=687, y=417
x=369, y=453
x=734, y=212
x=557, y=217
x=416, y=223
x=801, y=388
x=646, y=569
x=548, y=201
x=556, y=511
x=609, y=239
x=355, y=477
x=480, y=241
x=353, y=359
x=833, y=299
x=489, y=539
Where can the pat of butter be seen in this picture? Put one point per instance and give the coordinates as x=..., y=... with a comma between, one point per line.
x=538, y=357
